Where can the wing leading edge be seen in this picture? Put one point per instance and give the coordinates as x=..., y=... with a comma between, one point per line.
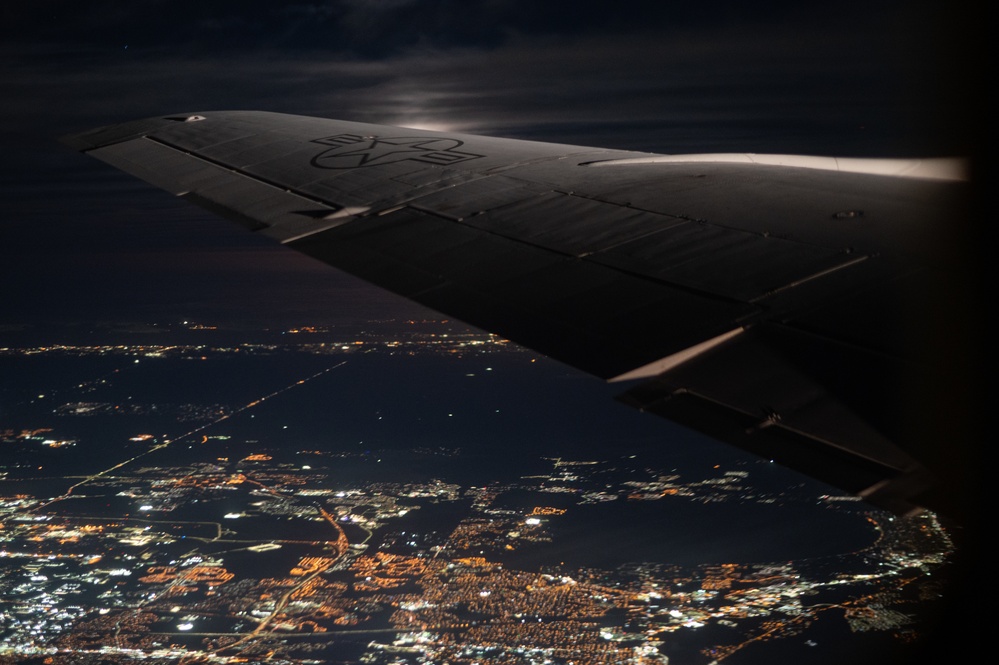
x=768, y=302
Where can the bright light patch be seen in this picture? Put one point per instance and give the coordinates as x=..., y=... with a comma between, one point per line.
x=429, y=125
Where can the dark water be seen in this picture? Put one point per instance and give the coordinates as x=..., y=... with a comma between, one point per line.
x=380, y=418
x=676, y=531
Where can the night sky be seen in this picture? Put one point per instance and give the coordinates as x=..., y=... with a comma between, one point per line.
x=81, y=242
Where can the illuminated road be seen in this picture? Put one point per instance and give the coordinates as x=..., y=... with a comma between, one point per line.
x=341, y=546
x=186, y=435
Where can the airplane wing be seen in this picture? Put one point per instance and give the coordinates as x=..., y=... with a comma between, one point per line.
x=766, y=300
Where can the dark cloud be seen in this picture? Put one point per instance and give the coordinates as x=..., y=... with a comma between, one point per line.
x=383, y=28
x=766, y=85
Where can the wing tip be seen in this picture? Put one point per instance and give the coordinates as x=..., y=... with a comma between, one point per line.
x=106, y=135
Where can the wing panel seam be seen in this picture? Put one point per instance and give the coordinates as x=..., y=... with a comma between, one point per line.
x=241, y=173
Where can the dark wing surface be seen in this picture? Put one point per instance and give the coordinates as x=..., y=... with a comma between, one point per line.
x=768, y=301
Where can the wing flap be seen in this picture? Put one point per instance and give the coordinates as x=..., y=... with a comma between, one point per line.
x=767, y=391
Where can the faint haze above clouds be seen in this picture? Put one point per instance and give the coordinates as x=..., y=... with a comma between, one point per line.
x=662, y=76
